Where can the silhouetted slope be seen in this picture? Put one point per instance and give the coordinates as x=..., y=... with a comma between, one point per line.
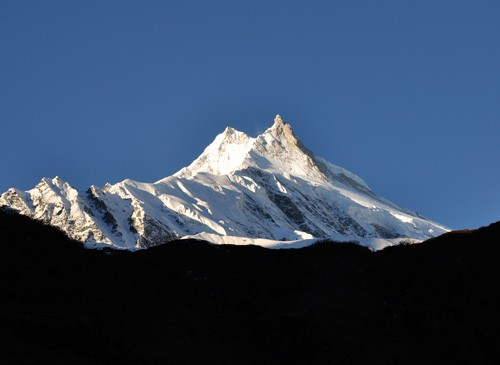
x=193, y=302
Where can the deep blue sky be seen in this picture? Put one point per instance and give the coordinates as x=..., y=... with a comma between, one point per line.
x=404, y=93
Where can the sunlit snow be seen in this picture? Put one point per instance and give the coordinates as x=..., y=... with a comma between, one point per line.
x=269, y=191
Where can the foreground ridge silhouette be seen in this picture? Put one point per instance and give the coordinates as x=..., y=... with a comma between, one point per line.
x=194, y=302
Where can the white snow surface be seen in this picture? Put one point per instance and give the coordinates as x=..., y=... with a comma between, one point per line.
x=269, y=191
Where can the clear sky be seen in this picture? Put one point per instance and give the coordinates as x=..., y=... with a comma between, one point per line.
x=406, y=94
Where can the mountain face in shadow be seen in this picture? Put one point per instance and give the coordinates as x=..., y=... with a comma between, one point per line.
x=194, y=302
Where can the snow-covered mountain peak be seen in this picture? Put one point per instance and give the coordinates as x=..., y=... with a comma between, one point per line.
x=225, y=154
x=230, y=136
x=283, y=151
x=262, y=190
x=55, y=183
x=278, y=149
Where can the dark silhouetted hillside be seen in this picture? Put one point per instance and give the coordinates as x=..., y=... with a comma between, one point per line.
x=193, y=302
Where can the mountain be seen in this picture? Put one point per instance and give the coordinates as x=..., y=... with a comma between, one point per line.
x=270, y=190
x=189, y=302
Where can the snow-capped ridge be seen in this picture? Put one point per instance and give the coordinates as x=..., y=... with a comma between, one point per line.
x=225, y=154
x=269, y=190
x=278, y=148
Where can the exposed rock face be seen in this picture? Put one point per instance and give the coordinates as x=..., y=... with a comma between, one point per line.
x=262, y=190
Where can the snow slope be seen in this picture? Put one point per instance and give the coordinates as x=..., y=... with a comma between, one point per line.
x=269, y=190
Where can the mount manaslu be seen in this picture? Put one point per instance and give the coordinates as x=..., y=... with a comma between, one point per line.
x=269, y=190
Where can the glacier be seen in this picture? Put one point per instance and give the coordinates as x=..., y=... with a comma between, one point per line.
x=270, y=190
